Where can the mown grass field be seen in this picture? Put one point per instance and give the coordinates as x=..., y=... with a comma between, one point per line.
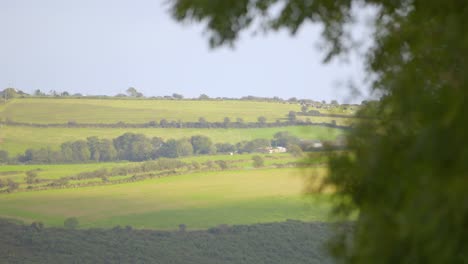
x=16, y=139
x=199, y=200
x=52, y=110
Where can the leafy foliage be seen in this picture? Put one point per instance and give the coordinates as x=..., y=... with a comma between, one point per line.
x=258, y=161
x=406, y=175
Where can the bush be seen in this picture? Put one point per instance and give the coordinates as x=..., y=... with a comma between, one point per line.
x=31, y=177
x=71, y=223
x=295, y=150
x=258, y=161
x=222, y=164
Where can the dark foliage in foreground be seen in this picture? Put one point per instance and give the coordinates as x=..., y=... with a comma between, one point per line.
x=287, y=242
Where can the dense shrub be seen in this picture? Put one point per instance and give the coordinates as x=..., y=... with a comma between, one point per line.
x=258, y=161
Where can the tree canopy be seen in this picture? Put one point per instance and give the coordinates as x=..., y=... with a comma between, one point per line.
x=406, y=171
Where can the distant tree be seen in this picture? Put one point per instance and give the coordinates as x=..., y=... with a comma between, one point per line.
x=182, y=227
x=239, y=120
x=202, y=120
x=107, y=151
x=295, y=150
x=195, y=165
x=283, y=139
x=133, y=147
x=292, y=99
x=184, y=148
x=120, y=95
x=31, y=177
x=42, y=155
x=9, y=93
x=203, y=97
x=202, y=145
x=80, y=151
x=177, y=96
x=37, y=226
x=261, y=119
x=93, y=146
x=226, y=120
x=210, y=164
x=258, y=161
x=141, y=149
x=292, y=116
x=12, y=185
x=334, y=102
x=169, y=149
x=222, y=164
x=254, y=145
x=163, y=122
x=67, y=151
x=38, y=93
x=304, y=109
x=132, y=92
x=156, y=143
x=314, y=112
x=65, y=93
x=225, y=147
x=2, y=183
x=3, y=156
x=71, y=223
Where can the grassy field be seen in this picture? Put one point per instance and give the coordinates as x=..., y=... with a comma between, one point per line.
x=56, y=171
x=50, y=110
x=53, y=171
x=341, y=121
x=198, y=200
x=17, y=139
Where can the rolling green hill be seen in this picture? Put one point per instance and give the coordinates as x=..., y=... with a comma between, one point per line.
x=199, y=200
x=16, y=139
x=55, y=110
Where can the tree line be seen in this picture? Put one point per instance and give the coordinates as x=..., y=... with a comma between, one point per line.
x=262, y=122
x=138, y=147
x=133, y=93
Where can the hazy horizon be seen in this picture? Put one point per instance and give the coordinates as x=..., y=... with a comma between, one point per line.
x=104, y=48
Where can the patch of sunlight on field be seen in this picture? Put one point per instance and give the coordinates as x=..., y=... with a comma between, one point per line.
x=198, y=200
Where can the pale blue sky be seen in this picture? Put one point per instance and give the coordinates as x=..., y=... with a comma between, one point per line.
x=106, y=46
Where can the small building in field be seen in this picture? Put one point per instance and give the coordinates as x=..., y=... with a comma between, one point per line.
x=317, y=144
x=270, y=150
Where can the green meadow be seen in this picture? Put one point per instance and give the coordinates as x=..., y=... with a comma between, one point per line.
x=51, y=110
x=198, y=200
x=16, y=139
x=55, y=171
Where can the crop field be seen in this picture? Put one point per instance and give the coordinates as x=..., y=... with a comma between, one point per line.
x=16, y=139
x=46, y=111
x=198, y=200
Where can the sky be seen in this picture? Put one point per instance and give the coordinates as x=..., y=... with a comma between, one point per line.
x=103, y=47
